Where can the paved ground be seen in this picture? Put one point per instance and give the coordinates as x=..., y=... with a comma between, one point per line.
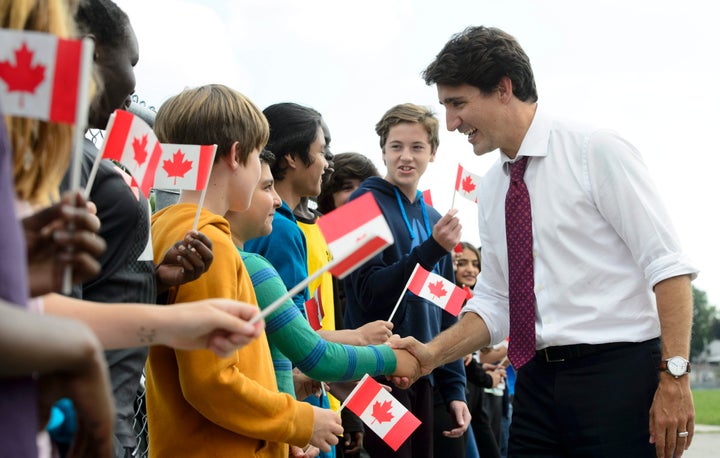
x=706, y=443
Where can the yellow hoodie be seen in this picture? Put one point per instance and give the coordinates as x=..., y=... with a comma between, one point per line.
x=201, y=405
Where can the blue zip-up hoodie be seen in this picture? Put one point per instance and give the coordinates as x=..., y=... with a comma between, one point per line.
x=374, y=288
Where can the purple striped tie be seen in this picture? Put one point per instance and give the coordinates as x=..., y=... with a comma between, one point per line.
x=518, y=229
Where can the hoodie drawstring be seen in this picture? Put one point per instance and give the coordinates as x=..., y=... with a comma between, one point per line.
x=426, y=220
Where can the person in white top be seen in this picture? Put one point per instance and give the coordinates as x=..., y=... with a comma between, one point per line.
x=613, y=301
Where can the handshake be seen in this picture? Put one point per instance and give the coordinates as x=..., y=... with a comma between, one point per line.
x=414, y=360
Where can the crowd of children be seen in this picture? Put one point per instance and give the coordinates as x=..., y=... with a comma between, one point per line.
x=217, y=385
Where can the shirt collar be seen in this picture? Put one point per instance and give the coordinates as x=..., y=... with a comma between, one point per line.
x=535, y=142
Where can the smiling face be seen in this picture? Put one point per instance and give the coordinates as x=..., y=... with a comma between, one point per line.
x=406, y=154
x=473, y=113
x=309, y=177
x=257, y=220
x=467, y=267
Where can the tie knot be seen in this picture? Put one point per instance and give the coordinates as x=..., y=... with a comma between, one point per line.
x=517, y=169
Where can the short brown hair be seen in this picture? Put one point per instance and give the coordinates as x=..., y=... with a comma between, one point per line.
x=212, y=114
x=409, y=113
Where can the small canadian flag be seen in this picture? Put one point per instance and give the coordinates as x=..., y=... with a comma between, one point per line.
x=381, y=412
x=185, y=166
x=466, y=183
x=40, y=75
x=437, y=289
x=354, y=233
x=314, y=310
x=132, y=142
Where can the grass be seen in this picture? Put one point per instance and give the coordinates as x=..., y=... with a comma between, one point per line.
x=707, y=406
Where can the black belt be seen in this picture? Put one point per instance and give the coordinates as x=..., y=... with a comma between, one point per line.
x=568, y=352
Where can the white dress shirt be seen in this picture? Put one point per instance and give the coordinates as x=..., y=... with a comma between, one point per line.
x=601, y=238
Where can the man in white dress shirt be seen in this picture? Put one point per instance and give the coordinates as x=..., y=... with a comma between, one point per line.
x=612, y=295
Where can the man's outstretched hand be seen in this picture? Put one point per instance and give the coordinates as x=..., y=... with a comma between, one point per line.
x=407, y=371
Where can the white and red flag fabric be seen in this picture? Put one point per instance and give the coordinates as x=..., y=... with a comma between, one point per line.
x=314, y=310
x=354, y=233
x=437, y=289
x=466, y=183
x=132, y=142
x=184, y=166
x=40, y=75
x=381, y=412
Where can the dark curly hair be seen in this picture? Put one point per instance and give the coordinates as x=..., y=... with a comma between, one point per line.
x=480, y=57
x=103, y=19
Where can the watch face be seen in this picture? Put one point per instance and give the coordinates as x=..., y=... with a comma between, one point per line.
x=676, y=366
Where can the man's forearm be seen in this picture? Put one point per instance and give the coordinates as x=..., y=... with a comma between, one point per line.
x=674, y=304
x=469, y=334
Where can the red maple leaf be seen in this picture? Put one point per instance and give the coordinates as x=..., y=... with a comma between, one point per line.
x=381, y=412
x=436, y=289
x=467, y=184
x=23, y=76
x=140, y=149
x=178, y=167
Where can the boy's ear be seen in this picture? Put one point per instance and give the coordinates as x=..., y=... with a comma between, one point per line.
x=290, y=160
x=432, y=155
x=232, y=159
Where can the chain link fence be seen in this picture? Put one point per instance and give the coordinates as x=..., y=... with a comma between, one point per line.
x=140, y=424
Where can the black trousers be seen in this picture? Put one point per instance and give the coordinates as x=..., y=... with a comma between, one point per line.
x=446, y=446
x=588, y=406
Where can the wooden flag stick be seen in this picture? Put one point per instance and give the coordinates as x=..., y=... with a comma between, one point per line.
x=402, y=294
x=98, y=158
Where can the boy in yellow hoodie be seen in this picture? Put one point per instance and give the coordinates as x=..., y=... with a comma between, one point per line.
x=200, y=404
